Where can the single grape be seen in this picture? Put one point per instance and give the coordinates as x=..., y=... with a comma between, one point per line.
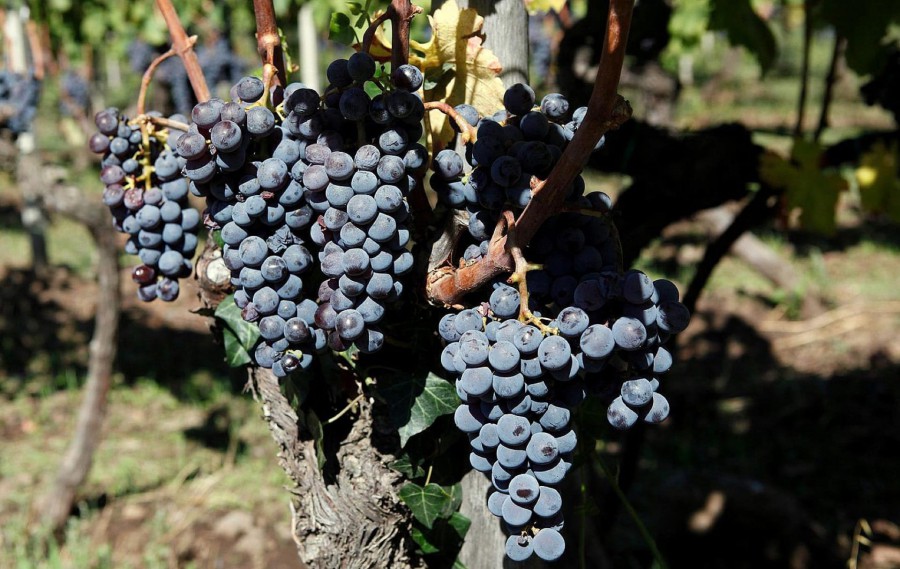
x=524, y=489
x=548, y=544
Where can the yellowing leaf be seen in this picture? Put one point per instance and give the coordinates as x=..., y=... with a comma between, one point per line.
x=807, y=188
x=458, y=68
x=879, y=186
x=536, y=6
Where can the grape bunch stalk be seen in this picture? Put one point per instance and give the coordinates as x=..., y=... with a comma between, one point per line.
x=526, y=356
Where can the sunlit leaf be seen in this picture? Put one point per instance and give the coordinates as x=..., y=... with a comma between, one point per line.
x=537, y=6
x=808, y=189
x=457, y=67
x=879, y=186
x=458, y=39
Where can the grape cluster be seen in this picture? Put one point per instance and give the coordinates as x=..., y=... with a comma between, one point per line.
x=522, y=365
x=75, y=95
x=518, y=385
x=322, y=179
x=19, y=97
x=519, y=381
x=515, y=148
x=567, y=248
x=148, y=200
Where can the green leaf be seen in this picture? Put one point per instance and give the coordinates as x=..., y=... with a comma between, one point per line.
x=235, y=354
x=421, y=539
x=309, y=421
x=745, y=27
x=405, y=466
x=416, y=401
x=349, y=355
x=296, y=388
x=434, y=75
x=355, y=8
x=460, y=524
x=864, y=28
x=240, y=336
x=340, y=29
x=431, y=502
x=447, y=535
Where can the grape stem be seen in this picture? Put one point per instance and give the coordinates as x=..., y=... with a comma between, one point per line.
x=607, y=110
x=166, y=123
x=369, y=34
x=183, y=47
x=642, y=528
x=268, y=43
x=519, y=276
x=151, y=69
x=469, y=134
x=343, y=411
x=400, y=13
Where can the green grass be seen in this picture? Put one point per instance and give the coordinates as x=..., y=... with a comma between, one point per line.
x=152, y=453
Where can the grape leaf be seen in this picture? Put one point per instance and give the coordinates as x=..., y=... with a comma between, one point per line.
x=537, y=6
x=744, y=27
x=340, y=29
x=472, y=71
x=431, y=502
x=879, y=186
x=240, y=336
x=864, y=30
x=415, y=401
x=807, y=188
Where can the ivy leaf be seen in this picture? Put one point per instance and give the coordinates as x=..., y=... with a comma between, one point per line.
x=340, y=29
x=235, y=354
x=431, y=502
x=744, y=27
x=240, y=336
x=879, y=186
x=807, y=188
x=405, y=466
x=415, y=401
x=421, y=539
x=309, y=421
x=446, y=535
x=460, y=524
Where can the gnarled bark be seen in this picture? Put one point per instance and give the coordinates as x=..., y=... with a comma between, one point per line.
x=355, y=519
